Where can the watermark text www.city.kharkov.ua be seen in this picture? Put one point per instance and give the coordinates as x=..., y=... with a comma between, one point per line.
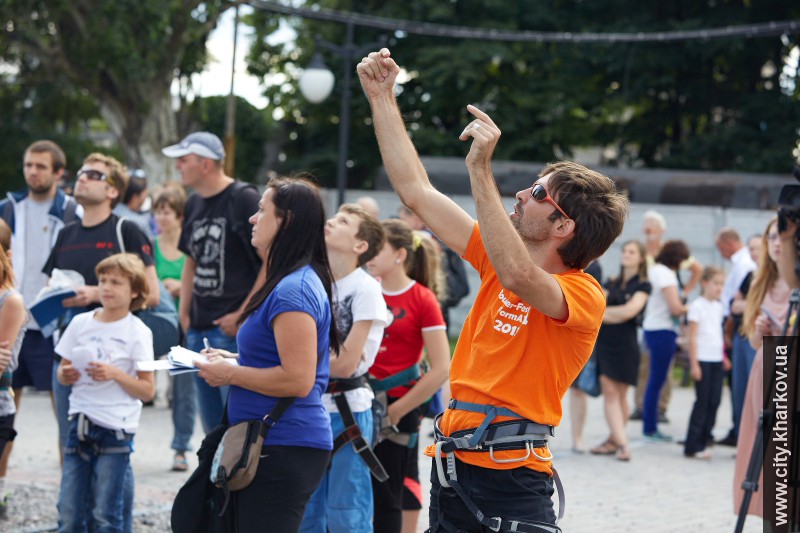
x=780, y=436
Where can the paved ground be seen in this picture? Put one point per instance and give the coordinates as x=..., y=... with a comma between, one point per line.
x=658, y=491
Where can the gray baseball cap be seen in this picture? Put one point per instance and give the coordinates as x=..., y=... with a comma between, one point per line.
x=200, y=143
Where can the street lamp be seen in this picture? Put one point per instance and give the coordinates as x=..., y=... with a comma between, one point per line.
x=316, y=84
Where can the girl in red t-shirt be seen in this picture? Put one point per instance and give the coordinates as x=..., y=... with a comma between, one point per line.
x=408, y=267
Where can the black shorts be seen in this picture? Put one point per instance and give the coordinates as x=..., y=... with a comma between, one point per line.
x=35, y=362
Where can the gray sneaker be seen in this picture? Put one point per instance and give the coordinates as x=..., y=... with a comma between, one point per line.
x=657, y=436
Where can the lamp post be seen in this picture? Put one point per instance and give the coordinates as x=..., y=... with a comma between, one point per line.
x=316, y=84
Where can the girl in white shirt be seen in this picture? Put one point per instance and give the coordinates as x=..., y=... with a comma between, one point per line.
x=706, y=355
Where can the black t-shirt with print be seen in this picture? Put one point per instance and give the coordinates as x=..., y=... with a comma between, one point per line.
x=81, y=248
x=216, y=235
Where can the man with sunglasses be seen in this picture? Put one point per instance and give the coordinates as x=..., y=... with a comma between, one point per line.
x=531, y=329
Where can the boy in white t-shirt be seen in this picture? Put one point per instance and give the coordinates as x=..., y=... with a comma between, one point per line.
x=343, y=501
x=706, y=356
x=100, y=350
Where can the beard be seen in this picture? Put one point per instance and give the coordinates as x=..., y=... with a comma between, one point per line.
x=40, y=189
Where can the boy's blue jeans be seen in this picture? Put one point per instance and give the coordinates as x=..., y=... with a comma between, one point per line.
x=93, y=481
x=210, y=400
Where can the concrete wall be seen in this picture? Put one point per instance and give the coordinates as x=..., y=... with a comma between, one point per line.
x=697, y=225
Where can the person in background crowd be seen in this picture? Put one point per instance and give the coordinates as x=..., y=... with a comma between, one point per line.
x=13, y=317
x=732, y=248
x=617, y=348
x=765, y=313
x=35, y=216
x=653, y=228
x=661, y=321
x=578, y=399
x=221, y=268
x=370, y=205
x=706, y=356
x=134, y=205
x=407, y=267
x=168, y=212
x=286, y=338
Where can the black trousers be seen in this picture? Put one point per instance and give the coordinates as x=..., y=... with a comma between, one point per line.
x=276, y=499
x=516, y=494
x=708, y=393
x=388, y=496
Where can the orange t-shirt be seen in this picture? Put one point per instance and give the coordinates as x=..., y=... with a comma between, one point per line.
x=511, y=355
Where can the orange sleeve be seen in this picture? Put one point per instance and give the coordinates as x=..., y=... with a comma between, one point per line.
x=585, y=300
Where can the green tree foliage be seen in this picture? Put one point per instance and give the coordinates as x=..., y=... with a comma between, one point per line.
x=40, y=107
x=124, y=54
x=695, y=104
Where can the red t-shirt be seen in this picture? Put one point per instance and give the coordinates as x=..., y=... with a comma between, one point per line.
x=412, y=311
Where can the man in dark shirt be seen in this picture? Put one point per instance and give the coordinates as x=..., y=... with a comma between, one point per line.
x=221, y=265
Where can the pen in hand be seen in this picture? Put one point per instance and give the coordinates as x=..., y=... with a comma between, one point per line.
x=206, y=344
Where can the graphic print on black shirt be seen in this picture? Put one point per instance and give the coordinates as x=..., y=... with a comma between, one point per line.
x=207, y=246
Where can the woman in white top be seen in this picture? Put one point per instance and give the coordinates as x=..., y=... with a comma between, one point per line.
x=661, y=320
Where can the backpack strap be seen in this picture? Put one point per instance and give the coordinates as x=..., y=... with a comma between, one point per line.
x=120, y=241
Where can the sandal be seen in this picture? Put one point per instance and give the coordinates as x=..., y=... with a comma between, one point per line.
x=607, y=448
x=180, y=464
x=623, y=454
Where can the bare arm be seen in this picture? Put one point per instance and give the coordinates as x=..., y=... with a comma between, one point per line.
x=12, y=318
x=152, y=284
x=352, y=351
x=694, y=363
x=697, y=270
x=438, y=350
x=296, y=337
x=141, y=386
x=187, y=282
x=510, y=258
x=444, y=217
x=676, y=307
x=618, y=314
x=229, y=324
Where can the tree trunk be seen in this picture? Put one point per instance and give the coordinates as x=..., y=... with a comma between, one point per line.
x=142, y=137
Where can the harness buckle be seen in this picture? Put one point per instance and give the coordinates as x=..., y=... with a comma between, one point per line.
x=528, y=450
x=494, y=523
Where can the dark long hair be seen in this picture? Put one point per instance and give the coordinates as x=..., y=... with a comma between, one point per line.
x=299, y=241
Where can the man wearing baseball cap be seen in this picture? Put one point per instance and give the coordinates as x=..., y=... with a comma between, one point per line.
x=219, y=273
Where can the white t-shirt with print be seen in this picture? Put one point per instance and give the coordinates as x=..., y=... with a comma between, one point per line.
x=708, y=314
x=357, y=297
x=656, y=314
x=122, y=343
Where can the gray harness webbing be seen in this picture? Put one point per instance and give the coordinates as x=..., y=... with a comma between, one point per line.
x=519, y=434
x=84, y=425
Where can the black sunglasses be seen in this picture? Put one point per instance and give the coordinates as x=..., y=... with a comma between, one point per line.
x=540, y=194
x=92, y=174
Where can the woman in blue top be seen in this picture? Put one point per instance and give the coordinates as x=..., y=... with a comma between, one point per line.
x=284, y=341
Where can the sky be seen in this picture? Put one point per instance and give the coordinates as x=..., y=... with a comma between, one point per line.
x=216, y=78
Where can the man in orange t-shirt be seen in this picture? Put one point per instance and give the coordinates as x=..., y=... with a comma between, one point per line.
x=534, y=321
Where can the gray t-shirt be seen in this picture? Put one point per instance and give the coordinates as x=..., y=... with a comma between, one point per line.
x=37, y=250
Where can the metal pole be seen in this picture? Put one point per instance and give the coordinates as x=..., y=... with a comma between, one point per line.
x=230, y=110
x=344, y=114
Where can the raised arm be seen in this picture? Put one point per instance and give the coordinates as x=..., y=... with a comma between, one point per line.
x=442, y=215
x=510, y=258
